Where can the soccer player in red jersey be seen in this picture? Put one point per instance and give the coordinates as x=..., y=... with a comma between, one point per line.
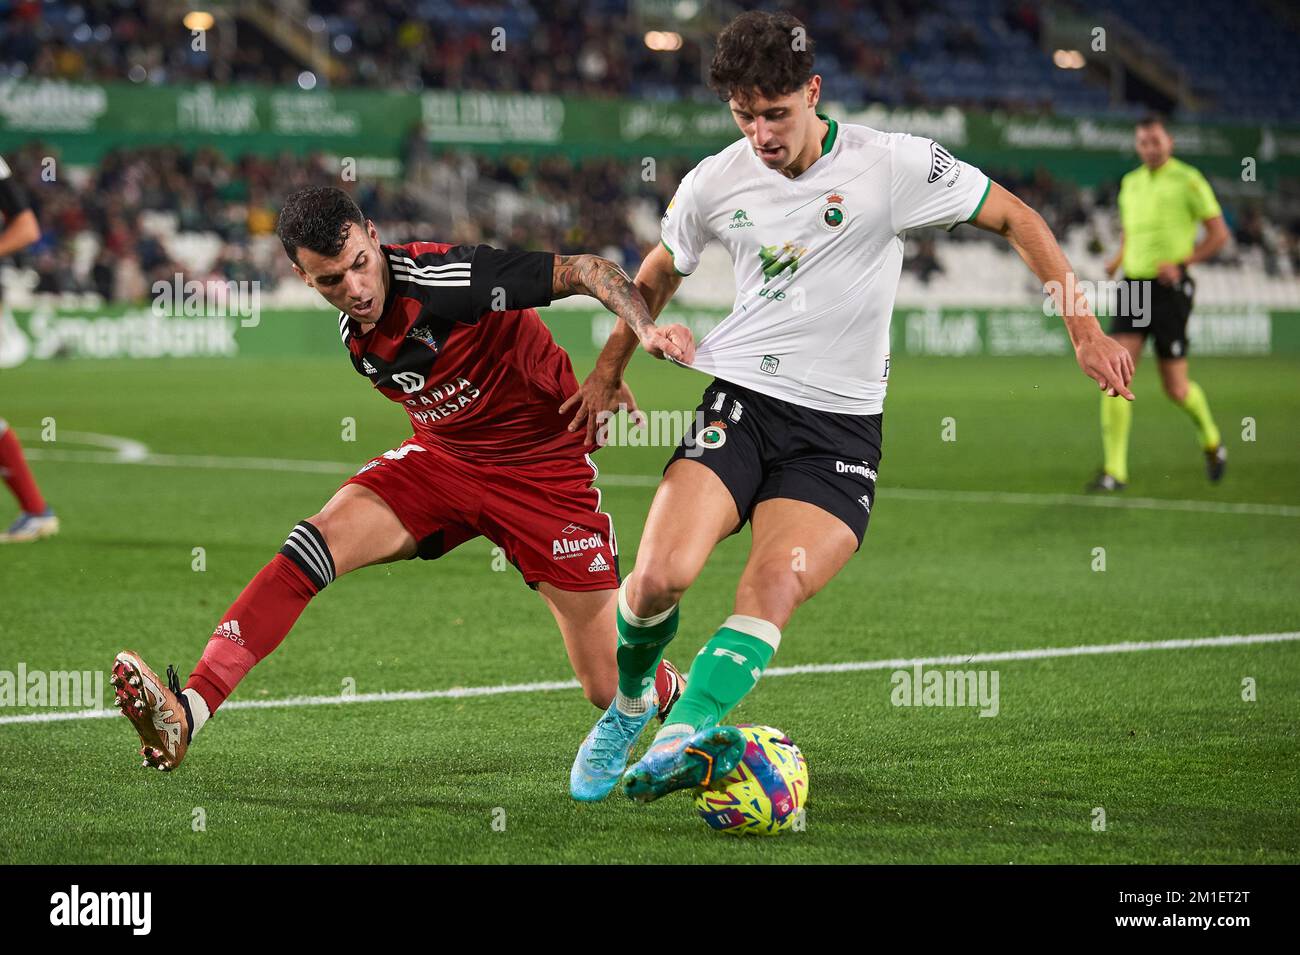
x=35, y=519
x=450, y=333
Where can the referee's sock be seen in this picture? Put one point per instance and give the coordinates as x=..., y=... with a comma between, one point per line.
x=1116, y=420
x=1198, y=409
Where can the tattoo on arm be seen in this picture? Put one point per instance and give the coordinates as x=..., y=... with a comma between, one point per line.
x=603, y=280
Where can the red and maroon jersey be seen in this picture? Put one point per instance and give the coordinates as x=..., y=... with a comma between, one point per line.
x=460, y=345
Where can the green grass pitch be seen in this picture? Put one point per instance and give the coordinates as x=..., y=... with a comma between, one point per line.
x=1162, y=741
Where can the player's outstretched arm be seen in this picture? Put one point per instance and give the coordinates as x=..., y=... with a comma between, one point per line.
x=637, y=304
x=1102, y=359
x=604, y=281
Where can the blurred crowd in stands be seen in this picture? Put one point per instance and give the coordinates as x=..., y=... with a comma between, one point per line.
x=113, y=229
x=986, y=53
x=119, y=227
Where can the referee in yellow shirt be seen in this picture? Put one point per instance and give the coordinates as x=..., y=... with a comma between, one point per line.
x=1161, y=205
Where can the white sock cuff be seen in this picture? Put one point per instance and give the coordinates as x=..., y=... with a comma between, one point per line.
x=198, y=708
x=632, y=618
x=635, y=705
x=755, y=627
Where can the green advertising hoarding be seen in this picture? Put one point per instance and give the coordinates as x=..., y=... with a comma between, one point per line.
x=84, y=120
x=68, y=332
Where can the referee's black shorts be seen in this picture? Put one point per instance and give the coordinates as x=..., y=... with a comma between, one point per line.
x=1149, y=307
x=762, y=447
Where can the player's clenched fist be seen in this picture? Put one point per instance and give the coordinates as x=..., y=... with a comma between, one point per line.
x=670, y=341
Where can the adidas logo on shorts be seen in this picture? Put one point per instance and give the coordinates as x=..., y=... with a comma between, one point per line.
x=597, y=565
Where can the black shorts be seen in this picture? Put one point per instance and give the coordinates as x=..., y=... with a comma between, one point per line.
x=763, y=447
x=1148, y=307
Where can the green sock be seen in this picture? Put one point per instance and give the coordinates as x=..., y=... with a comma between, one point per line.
x=1198, y=409
x=641, y=642
x=1116, y=417
x=725, y=670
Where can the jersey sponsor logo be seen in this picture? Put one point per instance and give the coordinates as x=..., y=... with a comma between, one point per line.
x=740, y=220
x=597, y=565
x=438, y=402
x=833, y=215
x=563, y=548
x=940, y=162
x=852, y=467
x=769, y=364
x=775, y=261
x=409, y=381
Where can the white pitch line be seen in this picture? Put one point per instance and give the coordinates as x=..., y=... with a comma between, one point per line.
x=463, y=692
x=137, y=454
x=1043, y=653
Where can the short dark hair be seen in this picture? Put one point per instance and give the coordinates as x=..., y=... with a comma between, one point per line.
x=1152, y=119
x=766, y=53
x=318, y=218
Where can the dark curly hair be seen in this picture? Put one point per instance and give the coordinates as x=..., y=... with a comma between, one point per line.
x=767, y=53
x=318, y=218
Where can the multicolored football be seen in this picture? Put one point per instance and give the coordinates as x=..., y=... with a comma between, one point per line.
x=766, y=791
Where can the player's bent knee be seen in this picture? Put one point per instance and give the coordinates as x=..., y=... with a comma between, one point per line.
x=772, y=591
x=657, y=587
x=360, y=529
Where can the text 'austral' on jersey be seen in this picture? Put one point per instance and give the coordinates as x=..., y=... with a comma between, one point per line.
x=816, y=258
x=460, y=346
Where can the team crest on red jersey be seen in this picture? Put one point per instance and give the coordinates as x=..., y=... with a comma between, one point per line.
x=423, y=333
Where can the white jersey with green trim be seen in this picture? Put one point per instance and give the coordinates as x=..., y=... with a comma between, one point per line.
x=817, y=258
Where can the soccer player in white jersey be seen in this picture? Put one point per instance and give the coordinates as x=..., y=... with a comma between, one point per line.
x=813, y=214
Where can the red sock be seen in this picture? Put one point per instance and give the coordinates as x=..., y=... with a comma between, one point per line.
x=253, y=626
x=14, y=470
